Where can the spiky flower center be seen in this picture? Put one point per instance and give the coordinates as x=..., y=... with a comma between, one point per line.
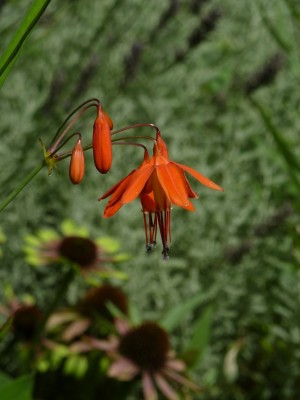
x=25, y=321
x=78, y=249
x=147, y=346
x=96, y=299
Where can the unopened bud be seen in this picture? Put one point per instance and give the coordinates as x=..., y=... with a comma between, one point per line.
x=102, y=146
x=76, y=171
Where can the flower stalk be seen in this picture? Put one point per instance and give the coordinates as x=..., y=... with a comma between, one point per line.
x=21, y=186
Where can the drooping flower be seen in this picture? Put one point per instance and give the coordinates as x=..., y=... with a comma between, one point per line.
x=142, y=351
x=76, y=170
x=159, y=182
x=102, y=146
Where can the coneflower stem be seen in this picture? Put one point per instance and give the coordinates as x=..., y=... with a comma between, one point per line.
x=60, y=293
x=21, y=186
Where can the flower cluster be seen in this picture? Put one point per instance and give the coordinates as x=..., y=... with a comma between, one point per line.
x=158, y=182
x=67, y=340
x=144, y=351
x=69, y=336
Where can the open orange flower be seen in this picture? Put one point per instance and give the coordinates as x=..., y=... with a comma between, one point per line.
x=159, y=182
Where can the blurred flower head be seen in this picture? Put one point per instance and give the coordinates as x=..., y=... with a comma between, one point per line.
x=22, y=318
x=73, y=246
x=93, y=310
x=143, y=351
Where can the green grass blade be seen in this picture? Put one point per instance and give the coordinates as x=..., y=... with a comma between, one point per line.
x=200, y=338
x=31, y=18
x=291, y=161
x=177, y=314
x=273, y=29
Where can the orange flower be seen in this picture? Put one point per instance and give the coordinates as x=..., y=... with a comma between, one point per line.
x=116, y=192
x=166, y=178
x=102, y=146
x=159, y=182
x=76, y=171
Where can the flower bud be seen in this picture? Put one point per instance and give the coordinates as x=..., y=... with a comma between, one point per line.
x=102, y=146
x=76, y=171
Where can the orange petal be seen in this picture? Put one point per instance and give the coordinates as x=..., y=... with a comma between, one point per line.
x=111, y=209
x=117, y=191
x=148, y=203
x=102, y=146
x=201, y=178
x=191, y=194
x=115, y=187
x=161, y=199
x=137, y=182
x=174, y=186
x=76, y=170
x=161, y=146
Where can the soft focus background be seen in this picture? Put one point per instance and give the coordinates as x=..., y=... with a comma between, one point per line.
x=221, y=80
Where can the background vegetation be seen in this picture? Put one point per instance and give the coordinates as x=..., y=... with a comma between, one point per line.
x=220, y=79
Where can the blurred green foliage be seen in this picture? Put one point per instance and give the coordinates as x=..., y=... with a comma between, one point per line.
x=217, y=77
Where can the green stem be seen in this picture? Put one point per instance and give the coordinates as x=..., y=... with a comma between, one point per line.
x=21, y=186
x=60, y=294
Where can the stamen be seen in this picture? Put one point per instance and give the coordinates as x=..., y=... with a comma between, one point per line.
x=163, y=218
x=150, y=227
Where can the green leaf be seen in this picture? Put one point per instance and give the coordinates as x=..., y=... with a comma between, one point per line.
x=47, y=235
x=69, y=228
x=173, y=318
x=201, y=336
x=17, y=389
x=76, y=365
x=31, y=18
x=2, y=237
x=109, y=244
x=4, y=380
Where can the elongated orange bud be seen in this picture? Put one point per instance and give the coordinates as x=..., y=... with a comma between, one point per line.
x=102, y=147
x=109, y=120
x=76, y=170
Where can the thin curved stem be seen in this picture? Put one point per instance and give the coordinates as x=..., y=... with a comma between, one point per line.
x=68, y=139
x=96, y=104
x=115, y=141
x=53, y=148
x=133, y=137
x=21, y=186
x=134, y=127
x=131, y=144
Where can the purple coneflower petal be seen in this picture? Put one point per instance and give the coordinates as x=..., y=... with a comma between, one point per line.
x=122, y=369
x=181, y=379
x=176, y=365
x=165, y=387
x=76, y=328
x=148, y=387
